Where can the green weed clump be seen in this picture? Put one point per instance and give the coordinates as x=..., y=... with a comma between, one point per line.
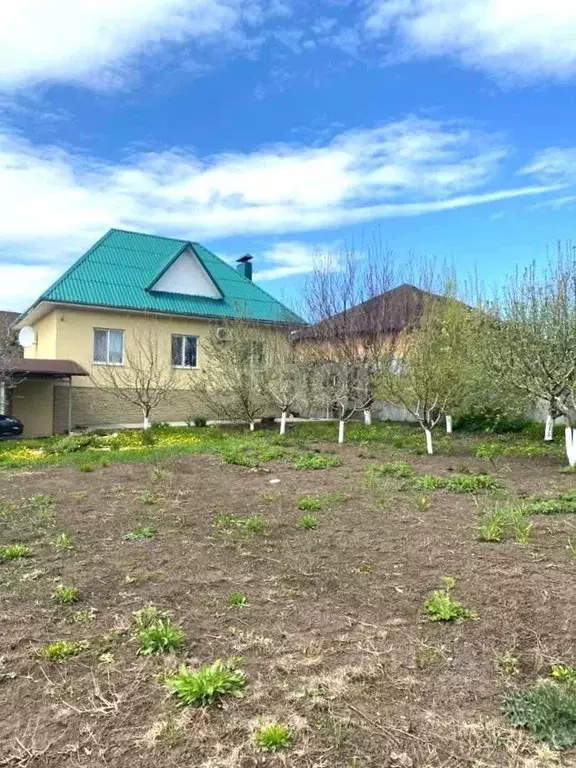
x=237, y=600
x=500, y=522
x=393, y=468
x=66, y=595
x=439, y=606
x=60, y=650
x=309, y=503
x=64, y=542
x=272, y=737
x=254, y=524
x=563, y=504
x=458, y=483
x=85, y=467
x=207, y=685
x=308, y=522
x=563, y=673
x=547, y=711
x=155, y=631
x=144, y=532
x=14, y=552
x=315, y=461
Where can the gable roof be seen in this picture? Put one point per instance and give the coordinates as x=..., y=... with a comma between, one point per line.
x=119, y=271
x=391, y=312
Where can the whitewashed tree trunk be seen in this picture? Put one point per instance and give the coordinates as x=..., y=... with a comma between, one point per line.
x=571, y=445
x=251, y=426
x=448, y=425
x=3, y=399
x=341, y=425
x=367, y=417
x=429, y=446
x=283, y=422
x=549, y=429
x=146, y=421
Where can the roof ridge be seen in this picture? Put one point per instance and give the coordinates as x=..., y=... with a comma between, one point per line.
x=148, y=234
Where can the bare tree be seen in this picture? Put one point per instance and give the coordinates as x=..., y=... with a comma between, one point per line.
x=146, y=378
x=433, y=374
x=232, y=383
x=8, y=351
x=346, y=302
x=533, y=340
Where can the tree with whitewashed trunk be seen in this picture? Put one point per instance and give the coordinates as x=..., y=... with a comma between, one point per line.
x=345, y=298
x=287, y=371
x=532, y=340
x=434, y=375
x=232, y=381
x=145, y=378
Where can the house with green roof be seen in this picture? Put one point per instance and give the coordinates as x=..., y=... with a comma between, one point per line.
x=126, y=285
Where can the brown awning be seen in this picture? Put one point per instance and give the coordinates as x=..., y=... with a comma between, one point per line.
x=22, y=366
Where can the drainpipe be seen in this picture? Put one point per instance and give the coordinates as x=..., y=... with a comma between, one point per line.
x=69, y=404
x=3, y=399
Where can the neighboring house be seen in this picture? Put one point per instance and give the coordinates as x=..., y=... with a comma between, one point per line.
x=128, y=285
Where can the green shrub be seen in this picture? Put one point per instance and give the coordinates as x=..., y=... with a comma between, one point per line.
x=237, y=600
x=489, y=421
x=315, y=461
x=254, y=524
x=272, y=737
x=547, y=711
x=207, y=685
x=60, y=650
x=66, y=595
x=439, y=606
x=309, y=503
x=71, y=444
x=308, y=522
x=147, y=616
x=159, y=636
x=14, y=552
x=145, y=532
x=147, y=437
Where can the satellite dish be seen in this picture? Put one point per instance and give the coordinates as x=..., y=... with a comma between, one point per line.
x=27, y=337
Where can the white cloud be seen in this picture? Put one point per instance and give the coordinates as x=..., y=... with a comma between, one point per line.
x=288, y=259
x=92, y=42
x=553, y=165
x=20, y=284
x=55, y=202
x=510, y=38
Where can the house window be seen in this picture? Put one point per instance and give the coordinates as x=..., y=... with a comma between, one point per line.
x=184, y=351
x=108, y=346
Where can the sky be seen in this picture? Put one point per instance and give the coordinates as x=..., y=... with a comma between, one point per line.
x=286, y=128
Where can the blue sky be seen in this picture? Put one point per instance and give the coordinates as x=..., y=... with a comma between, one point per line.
x=285, y=128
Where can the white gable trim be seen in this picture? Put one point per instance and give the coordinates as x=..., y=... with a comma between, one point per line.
x=187, y=276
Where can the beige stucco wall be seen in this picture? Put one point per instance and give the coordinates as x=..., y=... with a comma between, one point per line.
x=33, y=404
x=45, y=346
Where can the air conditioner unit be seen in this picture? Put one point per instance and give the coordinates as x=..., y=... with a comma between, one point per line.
x=221, y=334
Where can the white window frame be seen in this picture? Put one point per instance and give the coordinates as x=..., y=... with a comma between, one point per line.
x=107, y=331
x=183, y=336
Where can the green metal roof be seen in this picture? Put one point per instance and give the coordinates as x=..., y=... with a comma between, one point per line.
x=119, y=270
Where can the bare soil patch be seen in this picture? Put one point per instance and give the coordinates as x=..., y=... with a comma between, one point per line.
x=333, y=641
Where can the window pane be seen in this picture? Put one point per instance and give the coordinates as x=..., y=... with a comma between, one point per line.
x=176, y=350
x=190, y=351
x=100, y=346
x=115, y=346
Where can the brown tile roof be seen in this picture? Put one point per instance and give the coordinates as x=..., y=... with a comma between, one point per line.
x=390, y=312
x=22, y=366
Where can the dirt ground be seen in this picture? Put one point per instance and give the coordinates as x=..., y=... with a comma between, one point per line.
x=333, y=640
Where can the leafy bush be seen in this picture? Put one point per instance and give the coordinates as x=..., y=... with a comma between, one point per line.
x=66, y=595
x=272, y=737
x=315, y=461
x=439, y=606
x=208, y=685
x=547, y=711
x=308, y=522
x=145, y=532
x=159, y=636
x=60, y=650
x=309, y=503
x=71, y=444
x=14, y=552
x=489, y=421
x=237, y=600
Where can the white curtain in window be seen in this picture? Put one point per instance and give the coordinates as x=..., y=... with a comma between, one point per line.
x=115, y=346
x=100, y=346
